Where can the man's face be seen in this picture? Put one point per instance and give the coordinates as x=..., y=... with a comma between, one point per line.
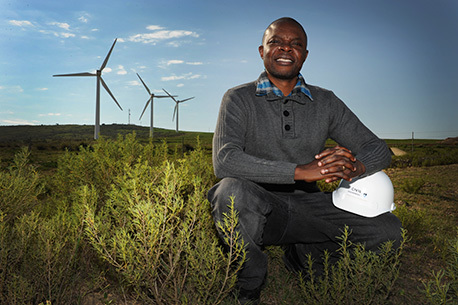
x=284, y=50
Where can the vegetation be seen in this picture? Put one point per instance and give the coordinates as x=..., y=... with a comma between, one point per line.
x=125, y=220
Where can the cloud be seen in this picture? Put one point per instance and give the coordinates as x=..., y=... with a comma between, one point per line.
x=174, y=62
x=160, y=34
x=18, y=122
x=42, y=89
x=12, y=89
x=50, y=114
x=133, y=83
x=154, y=27
x=84, y=18
x=180, y=85
x=195, y=63
x=180, y=77
x=62, y=25
x=21, y=23
x=121, y=70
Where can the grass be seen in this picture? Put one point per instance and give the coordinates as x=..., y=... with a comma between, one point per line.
x=426, y=199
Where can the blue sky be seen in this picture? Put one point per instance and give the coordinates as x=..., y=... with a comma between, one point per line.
x=394, y=63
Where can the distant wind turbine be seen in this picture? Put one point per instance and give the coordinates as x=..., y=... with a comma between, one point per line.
x=151, y=99
x=175, y=111
x=98, y=75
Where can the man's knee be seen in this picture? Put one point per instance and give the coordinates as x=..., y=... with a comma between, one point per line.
x=393, y=229
x=221, y=194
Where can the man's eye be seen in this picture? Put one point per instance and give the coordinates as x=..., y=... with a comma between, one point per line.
x=273, y=41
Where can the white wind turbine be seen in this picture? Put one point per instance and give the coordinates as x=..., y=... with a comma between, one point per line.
x=99, y=78
x=175, y=111
x=151, y=99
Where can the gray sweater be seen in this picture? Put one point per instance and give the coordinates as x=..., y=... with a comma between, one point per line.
x=264, y=138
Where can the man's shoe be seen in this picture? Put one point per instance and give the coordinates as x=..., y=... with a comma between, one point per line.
x=249, y=297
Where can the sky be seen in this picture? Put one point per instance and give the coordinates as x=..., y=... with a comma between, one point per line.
x=393, y=62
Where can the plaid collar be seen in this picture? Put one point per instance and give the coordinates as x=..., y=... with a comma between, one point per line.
x=264, y=86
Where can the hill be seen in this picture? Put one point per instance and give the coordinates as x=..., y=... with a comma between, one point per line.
x=31, y=134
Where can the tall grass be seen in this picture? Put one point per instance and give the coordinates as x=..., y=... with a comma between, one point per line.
x=128, y=221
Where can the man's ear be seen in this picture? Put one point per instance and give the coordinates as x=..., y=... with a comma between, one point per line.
x=261, y=51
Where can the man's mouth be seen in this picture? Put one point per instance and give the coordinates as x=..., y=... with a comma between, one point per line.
x=284, y=60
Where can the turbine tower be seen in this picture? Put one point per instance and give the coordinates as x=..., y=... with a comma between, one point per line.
x=151, y=99
x=99, y=80
x=175, y=111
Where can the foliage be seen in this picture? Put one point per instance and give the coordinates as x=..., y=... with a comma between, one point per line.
x=125, y=220
x=155, y=230
x=443, y=288
x=358, y=277
x=427, y=156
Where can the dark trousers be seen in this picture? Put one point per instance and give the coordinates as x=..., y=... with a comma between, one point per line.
x=306, y=221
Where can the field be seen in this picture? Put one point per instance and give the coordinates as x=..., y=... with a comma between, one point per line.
x=73, y=234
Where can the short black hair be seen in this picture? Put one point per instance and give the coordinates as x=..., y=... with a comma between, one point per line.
x=286, y=19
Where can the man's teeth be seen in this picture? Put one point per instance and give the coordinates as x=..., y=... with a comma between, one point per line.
x=284, y=60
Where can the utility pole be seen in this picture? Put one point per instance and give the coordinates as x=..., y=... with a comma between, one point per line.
x=412, y=140
x=129, y=118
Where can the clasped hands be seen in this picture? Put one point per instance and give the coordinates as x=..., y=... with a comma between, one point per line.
x=331, y=164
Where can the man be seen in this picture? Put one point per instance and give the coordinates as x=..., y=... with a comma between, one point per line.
x=268, y=148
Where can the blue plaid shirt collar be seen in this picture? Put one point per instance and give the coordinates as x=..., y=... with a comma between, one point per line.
x=264, y=87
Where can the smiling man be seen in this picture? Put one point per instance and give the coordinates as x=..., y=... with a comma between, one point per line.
x=268, y=150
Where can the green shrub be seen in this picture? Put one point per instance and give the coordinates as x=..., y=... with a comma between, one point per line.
x=443, y=288
x=358, y=277
x=156, y=231
x=412, y=186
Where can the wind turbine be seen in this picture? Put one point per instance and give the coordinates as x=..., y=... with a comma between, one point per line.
x=175, y=111
x=152, y=96
x=98, y=75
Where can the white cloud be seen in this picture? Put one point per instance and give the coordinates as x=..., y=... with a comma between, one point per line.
x=62, y=25
x=121, y=70
x=180, y=85
x=133, y=83
x=12, y=89
x=174, y=62
x=84, y=18
x=154, y=27
x=160, y=34
x=21, y=23
x=107, y=70
x=195, y=63
x=42, y=89
x=50, y=114
x=18, y=122
x=66, y=35
x=180, y=77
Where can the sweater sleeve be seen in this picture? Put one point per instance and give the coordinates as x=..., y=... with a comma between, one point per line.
x=229, y=142
x=347, y=130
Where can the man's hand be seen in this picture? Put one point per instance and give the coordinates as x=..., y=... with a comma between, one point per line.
x=331, y=164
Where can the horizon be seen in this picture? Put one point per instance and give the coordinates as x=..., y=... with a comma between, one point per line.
x=397, y=72
x=190, y=131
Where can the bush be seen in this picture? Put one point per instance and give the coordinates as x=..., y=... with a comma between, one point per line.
x=156, y=231
x=358, y=277
x=443, y=289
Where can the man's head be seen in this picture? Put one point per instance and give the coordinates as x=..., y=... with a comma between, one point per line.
x=284, y=49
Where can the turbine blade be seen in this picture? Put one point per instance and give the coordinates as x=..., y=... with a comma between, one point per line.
x=172, y=96
x=146, y=106
x=109, y=92
x=108, y=56
x=76, y=74
x=174, y=112
x=146, y=87
x=186, y=99
x=162, y=96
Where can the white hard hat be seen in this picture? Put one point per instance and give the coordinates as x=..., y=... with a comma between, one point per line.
x=369, y=196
